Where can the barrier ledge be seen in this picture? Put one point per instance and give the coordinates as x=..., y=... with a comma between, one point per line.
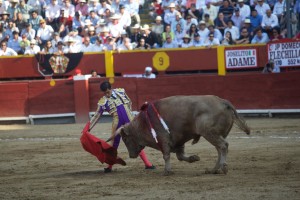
x=269, y=112
x=15, y=119
x=32, y=117
x=91, y=114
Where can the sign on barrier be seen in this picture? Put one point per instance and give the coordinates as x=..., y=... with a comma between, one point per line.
x=285, y=54
x=161, y=61
x=240, y=58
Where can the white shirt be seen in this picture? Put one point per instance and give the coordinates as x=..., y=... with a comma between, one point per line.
x=98, y=48
x=261, y=10
x=170, y=16
x=125, y=19
x=203, y=34
x=172, y=44
x=235, y=32
x=269, y=21
x=69, y=11
x=85, y=48
x=115, y=29
x=245, y=11
x=8, y=52
x=102, y=9
x=45, y=33
x=212, y=11
x=208, y=42
x=279, y=8
x=71, y=49
x=32, y=51
x=52, y=11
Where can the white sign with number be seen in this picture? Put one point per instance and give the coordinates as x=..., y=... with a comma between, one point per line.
x=285, y=54
x=241, y=58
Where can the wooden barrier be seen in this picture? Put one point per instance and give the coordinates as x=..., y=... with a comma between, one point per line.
x=245, y=91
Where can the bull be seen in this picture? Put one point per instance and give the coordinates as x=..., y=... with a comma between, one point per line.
x=188, y=118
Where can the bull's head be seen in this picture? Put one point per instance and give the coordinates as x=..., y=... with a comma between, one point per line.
x=131, y=141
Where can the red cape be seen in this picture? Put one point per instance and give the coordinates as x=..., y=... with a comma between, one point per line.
x=99, y=148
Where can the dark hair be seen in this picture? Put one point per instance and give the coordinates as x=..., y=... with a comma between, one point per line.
x=105, y=86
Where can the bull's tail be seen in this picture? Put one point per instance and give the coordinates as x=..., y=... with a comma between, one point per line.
x=238, y=120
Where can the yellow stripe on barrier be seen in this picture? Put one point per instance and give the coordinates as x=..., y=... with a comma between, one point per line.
x=221, y=60
x=109, y=64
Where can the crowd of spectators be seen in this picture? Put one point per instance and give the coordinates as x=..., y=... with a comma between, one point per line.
x=70, y=26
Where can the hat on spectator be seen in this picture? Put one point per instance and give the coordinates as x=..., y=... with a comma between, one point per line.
x=178, y=14
x=4, y=13
x=101, y=22
x=240, y=1
x=247, y=21
x=158, y=18
x=196, y=34
x=105, y=29
x=145, y=27
x=121, y=6
x=93, y=0
x=136, y=26
x=42, y=21
x=186, y=36
x=236, y=9
x=82, y=1
x=87, y=22
x=60, y=43
x=70, y=40
x=202, y=22
x=14, y=1
x=115, y=16
x=33, y=41
x=91, y=28
x=172, y=5
x=148, y=69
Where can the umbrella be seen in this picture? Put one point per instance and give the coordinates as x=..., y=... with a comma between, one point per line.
x=99, y=148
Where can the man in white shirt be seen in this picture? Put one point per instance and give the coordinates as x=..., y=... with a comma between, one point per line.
x=94, y=5
x=279, y=8
x=6, y=51
x=178, y=20
x=245, y=10
x=262, y=7
x=125, y=46
x=103, y=7
x=148, y=73
x=170, y=14
x=235, y=32
x=125, y=19
x=203, y=30
x=52, y=14
x=115, y=28
x=169, y=43
x=269, y=21
x=133, y=8
x=44, y=33
x=237, y=18
x=86, y=46
x=32, y=49
x=211, y=10
x=211, y=41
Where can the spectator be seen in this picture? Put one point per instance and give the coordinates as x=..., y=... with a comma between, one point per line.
x=92, y=35
x=29, y=32
x=78, y=22
x=104, y=34
x=237, y=18
x=98, y=46
x=14, y=42
x=228, y=39
x=262, y=7
x=169, y=43
x=150, y=36
x=135, y=34
x=148, y=73
x=244, y=37
x=56, y=39
x=269, y=21
x=93, y=17
x=6, y=51
x=203, y=31
x=198, y=41
x=244, y=9
x=44, y=33
x=32, y=49
x=115, y=5
x=103, y=6
x=155, y=9
x=24, y=9
x=115, y=28
x=125, y=19
x=255, y=20
x=94, y=5
x=178, y=20
x=108, y=15
x=48, y=48
x=186, y=42
x=110, y=44
x=133, y=8
x=226, y=9
x=247, y=25
x=271, y=3
x=10, y=28
x=94, y=74
x=235, y=33
x=192, y=31
x=24, y=43
x=211, y=10
x=275, y=36
x=100, y=25
x=221, y=23
x=12, y=9
x=170, y=15
x=34, y=20
x=69, y=13
x=38, y=5
x=167, y=32
x=63, y=30
x=4, y=19
x=52, y=14
x=86, y=46
x=217, y=34
x=20, y=22
x=279, y=8
x=211, y=41
x=126, y=45
x=194, y=12
x=3, y=7
x=260, y=37
x=60, y=48
x=271, y=68
x=82, y=8
x=142, y=45
x=178, y=34
x=120, y=40
x=207, y=20
x=189, y=22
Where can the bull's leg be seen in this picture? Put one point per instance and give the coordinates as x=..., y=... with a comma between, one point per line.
x=222, y=148
x=167, y=156
x=181, y=155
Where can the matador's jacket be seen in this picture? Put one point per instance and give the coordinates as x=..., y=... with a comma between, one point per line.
x=118, y=105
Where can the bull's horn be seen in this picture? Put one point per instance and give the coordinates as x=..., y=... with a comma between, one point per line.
x=116, y=133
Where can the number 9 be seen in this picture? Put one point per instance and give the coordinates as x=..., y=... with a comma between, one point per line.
x=161, y=61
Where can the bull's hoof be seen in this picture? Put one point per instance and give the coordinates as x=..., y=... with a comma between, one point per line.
x=194, y=158
x=168, y=173
x=225, y=168
x=213, y=171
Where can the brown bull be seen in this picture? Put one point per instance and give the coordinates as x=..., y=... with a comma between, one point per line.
x=187, y=117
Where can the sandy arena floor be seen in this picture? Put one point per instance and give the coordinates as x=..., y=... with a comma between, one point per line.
x=48, y=162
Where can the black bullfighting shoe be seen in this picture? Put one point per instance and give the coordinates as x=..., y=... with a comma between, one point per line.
x=150, y=167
